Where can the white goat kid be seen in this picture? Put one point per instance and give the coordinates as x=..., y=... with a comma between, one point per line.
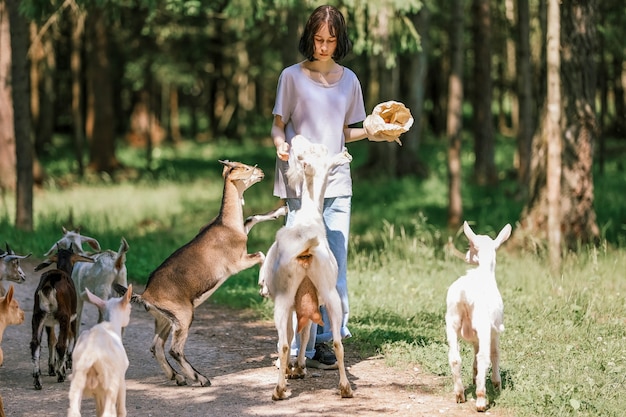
x=475, y=312
x=300, y=271
x=100, y=360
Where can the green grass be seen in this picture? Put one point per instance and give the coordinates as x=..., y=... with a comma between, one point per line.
x=564, y=348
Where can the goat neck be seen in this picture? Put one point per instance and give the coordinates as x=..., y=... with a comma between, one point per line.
x=238, y=178
x=115, y=311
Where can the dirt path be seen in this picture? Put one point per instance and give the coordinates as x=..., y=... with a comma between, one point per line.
x=236, y=352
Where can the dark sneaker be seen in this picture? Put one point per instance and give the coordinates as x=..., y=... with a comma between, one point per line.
x=324, y=358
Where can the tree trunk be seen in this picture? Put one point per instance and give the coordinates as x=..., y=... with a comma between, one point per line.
x=455, y=115
x=484, y=164
x=8, y=176
x=525, y=95
x=21, y=117
x=42, y=86
x=382, y=156
x=101, y=123
x=174, y=116
x=577, y=219
x=76, y=64
x=553, y=136
x=578, y=48
x=413, y=81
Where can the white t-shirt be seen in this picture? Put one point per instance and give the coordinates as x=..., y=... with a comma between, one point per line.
x=318, y=112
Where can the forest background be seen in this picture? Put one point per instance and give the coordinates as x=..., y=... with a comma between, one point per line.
x=115, y=113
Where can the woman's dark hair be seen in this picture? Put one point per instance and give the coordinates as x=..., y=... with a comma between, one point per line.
x=336, y=26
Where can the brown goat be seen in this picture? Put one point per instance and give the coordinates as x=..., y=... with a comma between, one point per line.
x=55, y=303
x=195, y=271
x=10, y=314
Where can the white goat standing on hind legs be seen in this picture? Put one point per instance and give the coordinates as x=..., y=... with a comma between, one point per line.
x=300, y=272
x=475, y=312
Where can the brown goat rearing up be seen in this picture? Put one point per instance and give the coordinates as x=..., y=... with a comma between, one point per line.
x=196, y=270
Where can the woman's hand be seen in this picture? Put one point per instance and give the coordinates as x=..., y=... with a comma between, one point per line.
x=282, y=151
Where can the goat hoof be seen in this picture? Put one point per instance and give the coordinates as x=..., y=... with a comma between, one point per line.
x=180, y=380
x=346, y=391
x=204, y=382
x=51, y=371
x=60, y=378
x=37, y=385
x=279, y=394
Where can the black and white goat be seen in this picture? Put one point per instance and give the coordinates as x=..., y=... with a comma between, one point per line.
x=55, y=304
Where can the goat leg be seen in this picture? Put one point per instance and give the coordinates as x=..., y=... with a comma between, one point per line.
x=162, y=328
x=35, y=347
x=495, y=361
x=52, y=354
x=333, y=307
x=179, y=337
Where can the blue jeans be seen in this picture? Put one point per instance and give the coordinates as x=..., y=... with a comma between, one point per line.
x=336, y=215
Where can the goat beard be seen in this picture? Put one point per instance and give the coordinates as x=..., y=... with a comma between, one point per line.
x=307, y=304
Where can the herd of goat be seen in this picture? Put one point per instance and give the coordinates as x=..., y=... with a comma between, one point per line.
x=299, y=275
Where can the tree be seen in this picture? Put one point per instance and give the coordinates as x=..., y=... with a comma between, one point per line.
x=524, y=93
x=568, y=182
x=484, y=148
x=21, y=117
x=8, y=176
x=413, y=75
x=101, y=115
x=552, y=135
x=455, y=116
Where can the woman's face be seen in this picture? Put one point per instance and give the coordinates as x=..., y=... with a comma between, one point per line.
x=325, y=44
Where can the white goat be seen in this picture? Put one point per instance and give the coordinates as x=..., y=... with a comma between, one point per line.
x=10, y=269
x=100, y=361
x=108, y=269
x=475, y=312
x=300, y=272
x=72, y=239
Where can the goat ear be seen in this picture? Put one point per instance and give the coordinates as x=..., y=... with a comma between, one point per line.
x=94, y=299
x=44, y=264
x=129, y=293
x=64, y=229
x=504, y=234
x=469, y=233
x=80, y=258
x=9, y=295
x=95, y=245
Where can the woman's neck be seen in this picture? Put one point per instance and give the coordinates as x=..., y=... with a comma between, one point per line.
x=323, y=67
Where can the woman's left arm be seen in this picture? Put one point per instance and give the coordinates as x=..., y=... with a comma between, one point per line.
x=353, y=133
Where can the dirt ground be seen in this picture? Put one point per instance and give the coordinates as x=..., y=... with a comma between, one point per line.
x=236, y=352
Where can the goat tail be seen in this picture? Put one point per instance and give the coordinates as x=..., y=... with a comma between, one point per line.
x=92, y=379
x=300, y=243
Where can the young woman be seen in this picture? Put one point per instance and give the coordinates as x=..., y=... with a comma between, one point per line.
x=320, y=99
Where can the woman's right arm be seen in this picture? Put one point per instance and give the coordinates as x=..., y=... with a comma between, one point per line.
x=278, y=136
